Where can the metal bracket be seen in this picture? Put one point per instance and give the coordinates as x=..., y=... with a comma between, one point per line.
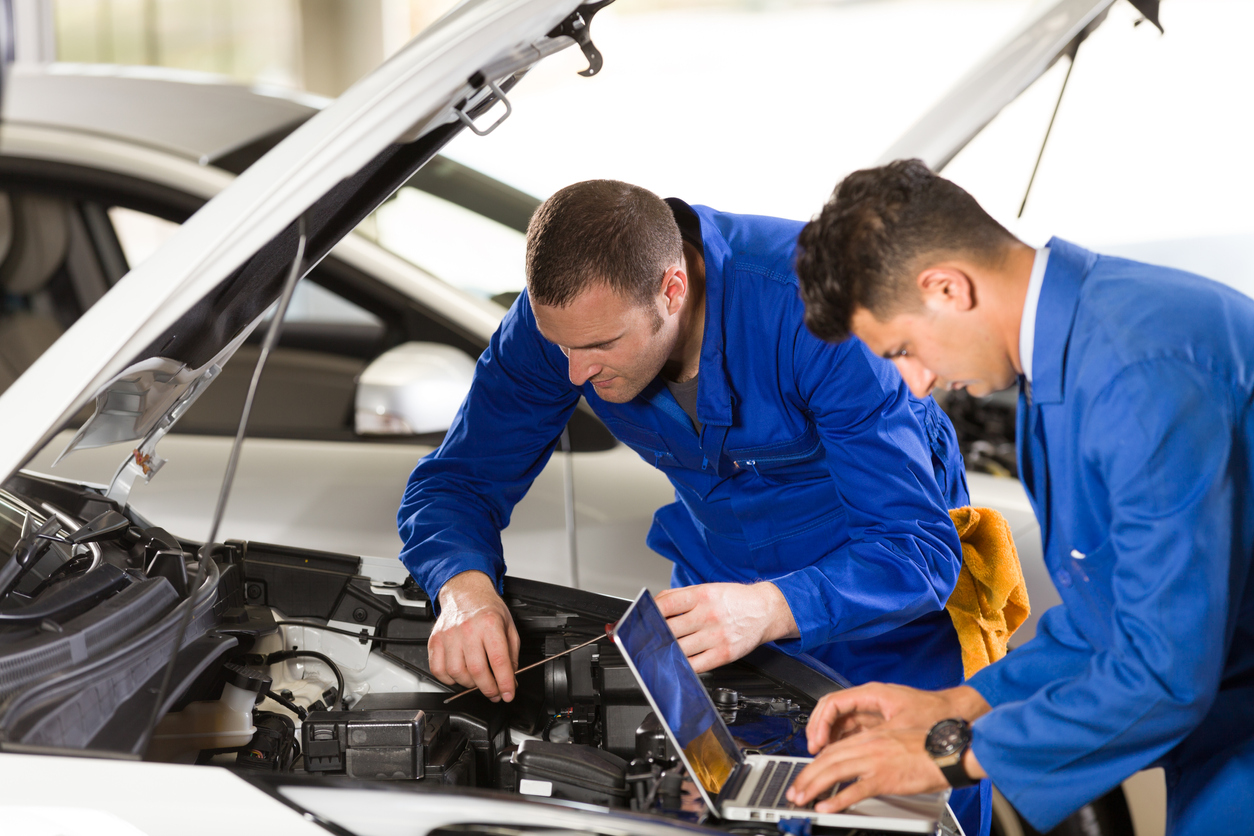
x=499, y=94
x=576, y=27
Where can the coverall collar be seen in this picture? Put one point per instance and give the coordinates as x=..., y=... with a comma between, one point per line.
x=1055, y=314
x=714, y=394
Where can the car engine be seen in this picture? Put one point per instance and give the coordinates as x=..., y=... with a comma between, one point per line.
x=313, y=665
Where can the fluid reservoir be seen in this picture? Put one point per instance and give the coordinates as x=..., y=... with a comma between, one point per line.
x=224, y=723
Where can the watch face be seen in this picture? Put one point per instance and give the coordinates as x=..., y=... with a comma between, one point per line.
x=947, y=737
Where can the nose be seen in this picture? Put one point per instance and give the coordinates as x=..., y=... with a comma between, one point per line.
x=580, y=368
x=917, y=377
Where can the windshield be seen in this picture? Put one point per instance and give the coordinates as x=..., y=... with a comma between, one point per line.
x=458, y=245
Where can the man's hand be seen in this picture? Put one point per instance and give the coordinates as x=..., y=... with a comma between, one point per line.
x=844, y=713
x=874, y=735
x=717, y=623
x=880, y=761
x=474, y=642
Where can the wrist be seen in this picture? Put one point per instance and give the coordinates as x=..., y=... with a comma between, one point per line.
x=947, y=745
x=471, y=582
x=966, y=702
x=782, y=625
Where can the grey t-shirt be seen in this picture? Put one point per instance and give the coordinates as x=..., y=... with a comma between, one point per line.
x=686, y=394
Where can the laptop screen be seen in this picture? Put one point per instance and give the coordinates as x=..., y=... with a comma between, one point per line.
x=681, y=700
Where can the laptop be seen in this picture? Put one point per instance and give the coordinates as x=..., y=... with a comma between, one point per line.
x=736, y=786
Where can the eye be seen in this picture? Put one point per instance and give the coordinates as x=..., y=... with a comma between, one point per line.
x=901, y=352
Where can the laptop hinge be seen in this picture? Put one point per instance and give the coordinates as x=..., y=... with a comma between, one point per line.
x=731, y=787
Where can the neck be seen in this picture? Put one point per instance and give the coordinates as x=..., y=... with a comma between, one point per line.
x=1011, y=293
x=685, y=360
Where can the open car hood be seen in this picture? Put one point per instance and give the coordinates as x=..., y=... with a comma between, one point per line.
x=154, y=342
x=147, y=349
x=1023, y=57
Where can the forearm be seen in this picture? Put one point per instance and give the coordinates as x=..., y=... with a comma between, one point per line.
x=901, y=555
x=459, y=498
x=864, y=590
x=441, y=541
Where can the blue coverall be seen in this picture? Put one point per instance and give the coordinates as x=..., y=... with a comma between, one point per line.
x=814, y=468
x=1137, y=450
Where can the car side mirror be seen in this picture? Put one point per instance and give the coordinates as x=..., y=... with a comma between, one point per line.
x=413, y=389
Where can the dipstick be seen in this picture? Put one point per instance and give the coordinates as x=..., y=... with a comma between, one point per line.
x=608, y=627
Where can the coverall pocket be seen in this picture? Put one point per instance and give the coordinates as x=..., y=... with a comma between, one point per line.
x=649, y=445
x=794, y=460
x=1084, y=583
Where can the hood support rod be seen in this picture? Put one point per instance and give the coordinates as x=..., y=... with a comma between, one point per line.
x=1071, y=53
x=206, y=550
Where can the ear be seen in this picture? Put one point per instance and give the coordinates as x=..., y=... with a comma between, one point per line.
x=946, y=287
x=674, y=288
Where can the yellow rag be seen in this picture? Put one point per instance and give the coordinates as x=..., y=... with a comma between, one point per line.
x=990, y=600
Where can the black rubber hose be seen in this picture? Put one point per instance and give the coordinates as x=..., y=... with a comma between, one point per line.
x=289, y=705
x=71, y=599
x=284, y=655
x=363, y=634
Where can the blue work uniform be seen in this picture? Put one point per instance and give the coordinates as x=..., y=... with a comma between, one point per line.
x=814, y=467
x=1136, y=446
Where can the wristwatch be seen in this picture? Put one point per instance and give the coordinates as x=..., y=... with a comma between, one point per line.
x=946, y=743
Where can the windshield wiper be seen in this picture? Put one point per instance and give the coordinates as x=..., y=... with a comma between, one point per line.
x=26, y=553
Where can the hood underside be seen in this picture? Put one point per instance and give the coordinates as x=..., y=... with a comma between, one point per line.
x=151, y=345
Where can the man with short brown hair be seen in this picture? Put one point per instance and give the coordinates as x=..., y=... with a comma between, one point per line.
x=811, y=489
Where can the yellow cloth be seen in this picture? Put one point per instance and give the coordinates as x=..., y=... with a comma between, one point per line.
x=990, y=600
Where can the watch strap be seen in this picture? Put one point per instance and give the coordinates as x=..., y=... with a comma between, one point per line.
x=957, y=775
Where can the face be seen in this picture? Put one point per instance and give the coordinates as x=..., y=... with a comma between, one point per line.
x=939, y=346
x=610, y=340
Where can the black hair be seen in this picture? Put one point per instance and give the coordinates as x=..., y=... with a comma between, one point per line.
x=865, y=248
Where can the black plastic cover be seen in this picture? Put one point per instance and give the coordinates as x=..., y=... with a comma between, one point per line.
x=484, y=723
x=300, y=583
x=381, y=744
x=578, y=773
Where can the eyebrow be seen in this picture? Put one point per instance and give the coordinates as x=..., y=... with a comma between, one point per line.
x=596, y=344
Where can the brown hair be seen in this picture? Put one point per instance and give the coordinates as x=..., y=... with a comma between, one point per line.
x=600, y=231
x=865, y=248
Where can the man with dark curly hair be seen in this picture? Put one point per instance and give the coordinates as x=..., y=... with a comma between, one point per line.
x=1136, y=446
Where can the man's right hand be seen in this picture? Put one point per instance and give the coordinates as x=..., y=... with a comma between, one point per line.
x=474, y=643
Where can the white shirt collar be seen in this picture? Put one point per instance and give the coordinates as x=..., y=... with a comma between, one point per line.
x=1027, y=325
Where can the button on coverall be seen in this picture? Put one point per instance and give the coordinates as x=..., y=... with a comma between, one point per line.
x=1137, y=451
x=814, y=468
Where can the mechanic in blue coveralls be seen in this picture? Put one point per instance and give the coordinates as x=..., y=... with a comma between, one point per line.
x=811, y=489
x=1136, y=446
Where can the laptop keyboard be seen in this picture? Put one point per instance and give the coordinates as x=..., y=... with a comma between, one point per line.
x=776, y=778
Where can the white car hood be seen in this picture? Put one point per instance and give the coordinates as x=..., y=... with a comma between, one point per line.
x=158, y=338
x=151, y=344
x=998, y=80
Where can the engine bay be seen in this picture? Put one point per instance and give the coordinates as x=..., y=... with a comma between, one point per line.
x=313, y=666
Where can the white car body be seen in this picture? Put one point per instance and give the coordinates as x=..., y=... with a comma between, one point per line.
x=331, y=495
x=325, y=482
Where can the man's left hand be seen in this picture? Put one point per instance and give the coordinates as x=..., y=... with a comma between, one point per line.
x=880, y=761
x=717, y=623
